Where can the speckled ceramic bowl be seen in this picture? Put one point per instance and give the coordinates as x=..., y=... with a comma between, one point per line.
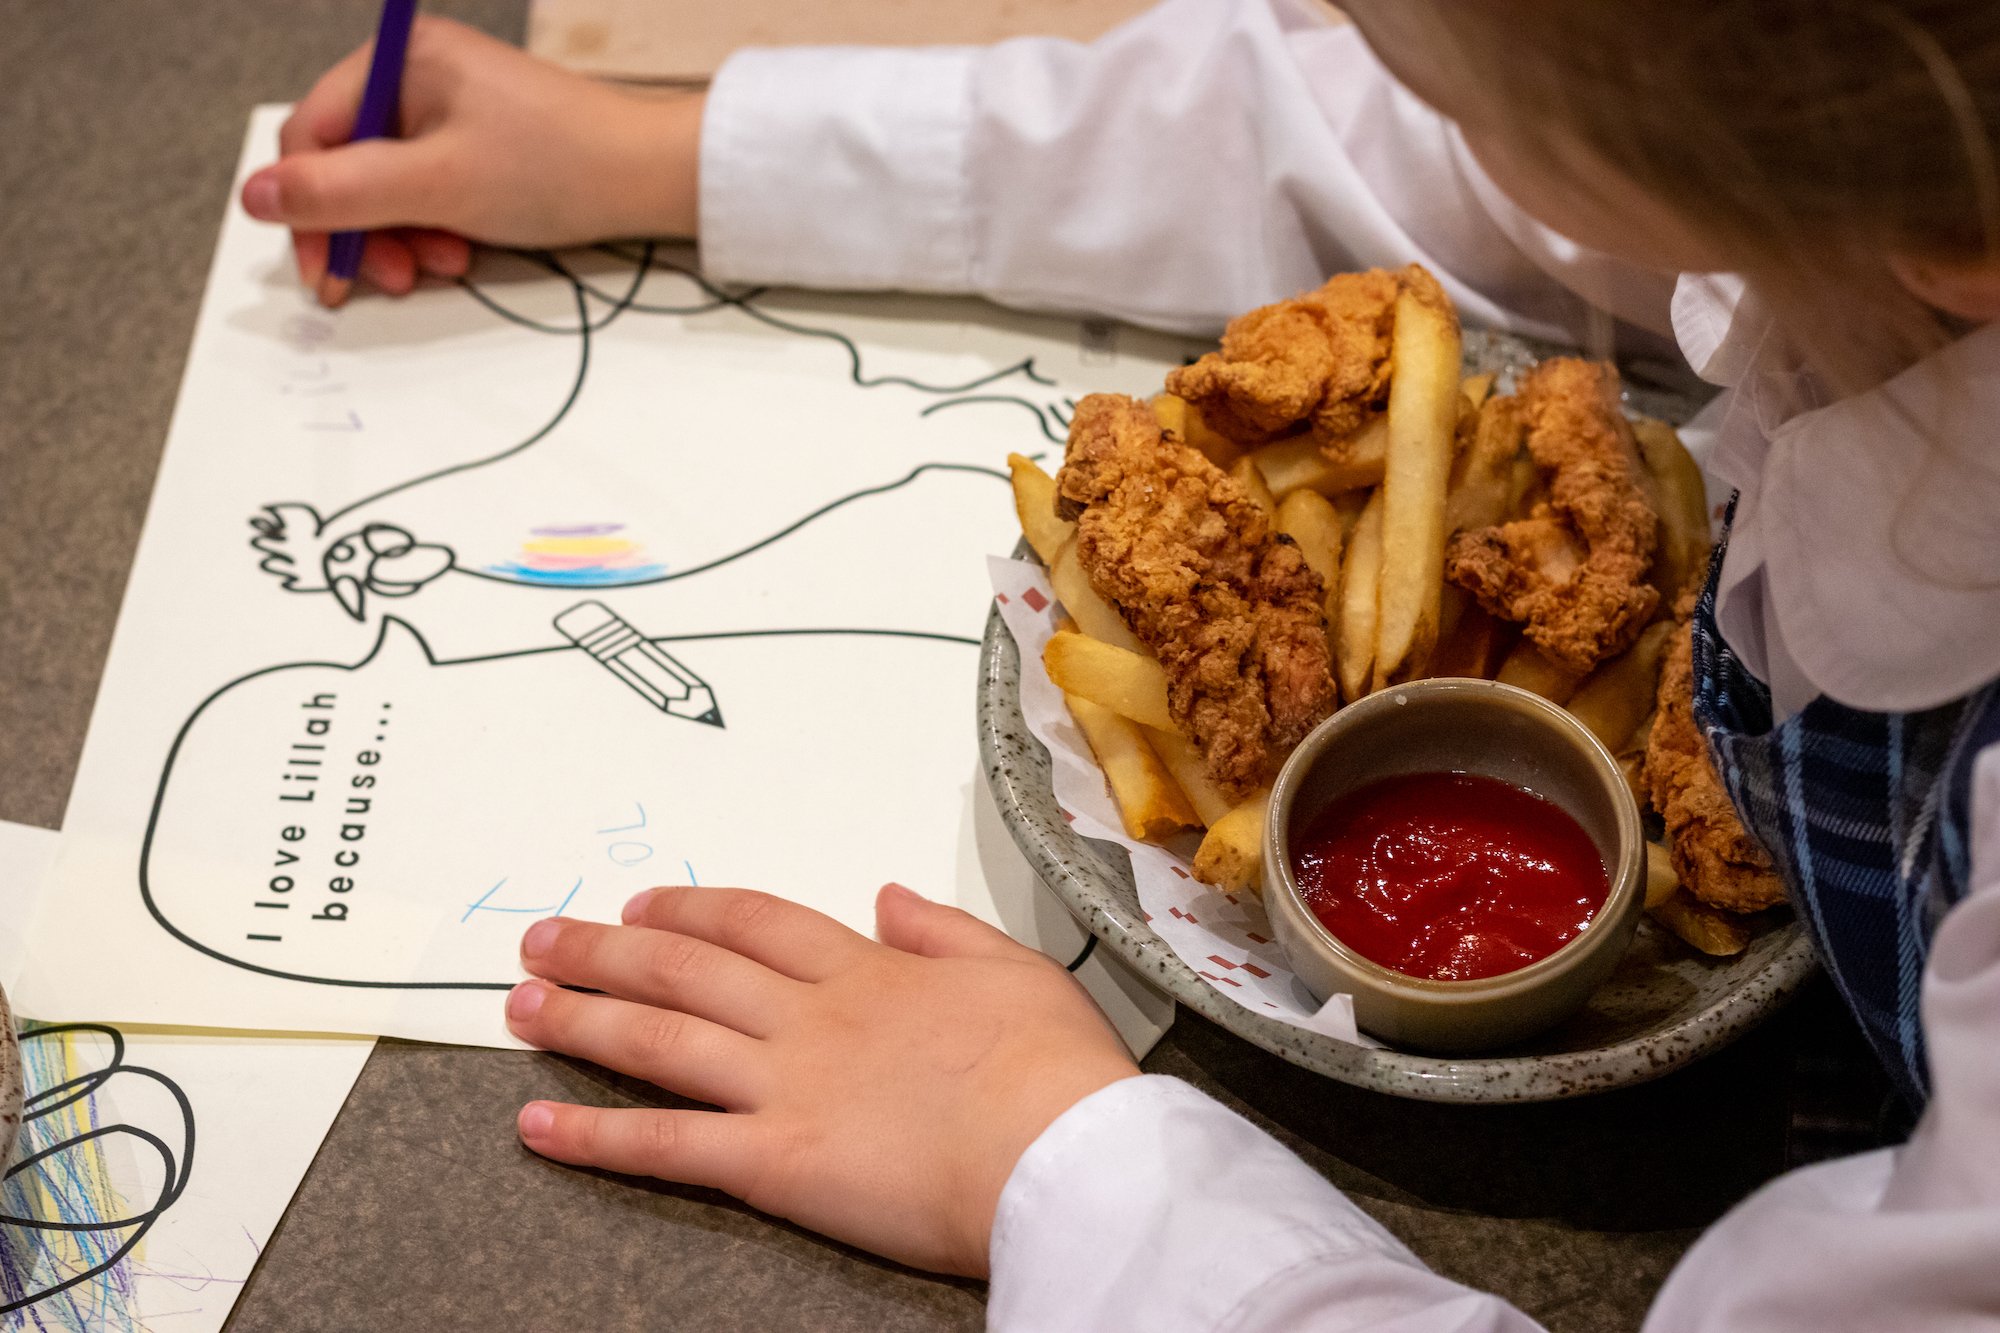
x=1663, y=1007
x=10, y=1082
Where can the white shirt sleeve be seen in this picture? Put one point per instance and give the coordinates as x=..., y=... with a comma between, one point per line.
x=1205, y=158
x=1148, y=1206
x=1906, y=1238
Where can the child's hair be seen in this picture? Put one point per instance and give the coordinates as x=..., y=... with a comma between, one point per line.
x=1804, y=140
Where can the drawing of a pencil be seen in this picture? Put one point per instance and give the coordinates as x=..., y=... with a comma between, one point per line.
x=644, y=666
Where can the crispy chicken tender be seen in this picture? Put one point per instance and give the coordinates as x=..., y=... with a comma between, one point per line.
x=1318, y=361
x=1573, y=571
x=1718, y=861
x=1229, y=607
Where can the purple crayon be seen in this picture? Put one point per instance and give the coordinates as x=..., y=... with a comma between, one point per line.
x=375, y=119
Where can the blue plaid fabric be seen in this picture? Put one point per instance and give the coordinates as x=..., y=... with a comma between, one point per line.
x=1868, y=817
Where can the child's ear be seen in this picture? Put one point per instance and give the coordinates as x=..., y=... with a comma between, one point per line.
x=1967, y=288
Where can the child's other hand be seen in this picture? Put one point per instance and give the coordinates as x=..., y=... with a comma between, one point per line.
x=496, y=146
x=880, y=1093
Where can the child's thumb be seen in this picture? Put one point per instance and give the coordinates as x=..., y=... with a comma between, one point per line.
x=355, y=187
x=914, y=924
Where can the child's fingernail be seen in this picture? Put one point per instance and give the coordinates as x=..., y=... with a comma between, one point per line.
x=537, y=1119
x=903, y=891
x=540, y=938
x=525, y=1001
x=260, y=196
x=635, y=908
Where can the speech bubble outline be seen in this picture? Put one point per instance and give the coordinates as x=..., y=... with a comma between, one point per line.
x=166, y=775
x=387, y=633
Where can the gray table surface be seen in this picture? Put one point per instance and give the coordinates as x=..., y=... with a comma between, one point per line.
x=122, y=122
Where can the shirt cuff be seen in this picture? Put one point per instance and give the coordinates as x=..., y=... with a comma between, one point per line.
x=1148, y=1205
x=838, y=167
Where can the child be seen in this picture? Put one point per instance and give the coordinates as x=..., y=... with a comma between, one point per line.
x=1822, y=180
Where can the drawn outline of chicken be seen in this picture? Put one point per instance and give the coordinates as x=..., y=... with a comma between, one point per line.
x=385, y=560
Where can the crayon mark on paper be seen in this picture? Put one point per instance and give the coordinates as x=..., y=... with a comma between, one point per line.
x=579, y=555
x=70, y=1229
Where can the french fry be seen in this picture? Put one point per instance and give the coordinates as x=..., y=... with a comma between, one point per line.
x=1452, y=603
x=1035, y=506
x=1094, y=616
x=1301, y=462
x=1631, y=758
x=1529, y=669
x=1231, y=855
x=1525, y=488
x=1360, y=459
x=1150, y=802
x=1292, y=464
x=1661, y=881
x=1311, y=521
x=1184, y=761
x=1482, y=480
x=1641, y=737
x=1711, y=930
x=1682, y=501
x=1349, y=504
x=1177, y=414
x=1423, y=413
x=1360, y=576
x=1475, y=645
x=1128, y=683
x=1472, y=392
x=1632, y=768
x=1616, y=698
x=1251, y=478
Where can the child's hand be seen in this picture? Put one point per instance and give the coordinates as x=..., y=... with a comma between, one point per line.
x=881, y=1092
x=497, y=146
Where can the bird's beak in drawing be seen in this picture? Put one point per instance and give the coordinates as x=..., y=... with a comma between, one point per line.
x=349, y=592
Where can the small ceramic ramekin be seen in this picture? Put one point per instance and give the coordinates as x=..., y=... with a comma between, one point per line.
x=1457, y=726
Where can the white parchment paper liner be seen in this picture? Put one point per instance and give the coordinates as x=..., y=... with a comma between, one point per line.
x=1224, y=937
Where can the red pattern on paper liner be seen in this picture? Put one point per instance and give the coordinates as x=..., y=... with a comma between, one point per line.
x=1236, y=924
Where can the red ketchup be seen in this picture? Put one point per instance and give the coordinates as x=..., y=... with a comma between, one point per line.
x=1449, y=876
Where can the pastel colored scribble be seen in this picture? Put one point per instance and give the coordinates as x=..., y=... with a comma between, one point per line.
x=53, y=1229
x=585, y=555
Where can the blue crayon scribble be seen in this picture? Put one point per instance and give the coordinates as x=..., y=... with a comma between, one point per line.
x=627, y=828
x=556, y=910
x=587, y=577
x=623, y=852
x=69, y=1237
